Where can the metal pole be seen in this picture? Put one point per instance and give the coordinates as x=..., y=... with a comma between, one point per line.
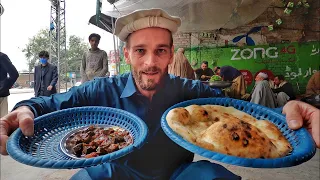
x=58, y=40
x=114, y=43
x=65, y=45
x=117, y=47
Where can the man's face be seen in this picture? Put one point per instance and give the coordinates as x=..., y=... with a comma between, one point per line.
x=149, y=52
x=94, y=42
x=258, y=78
x=276, y=81
x=218, y=72
x=43, y=60
x=204, y=66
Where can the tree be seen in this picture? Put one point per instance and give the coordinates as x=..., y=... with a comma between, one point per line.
x=41, y=41
x=37, y=43
x=76, y=49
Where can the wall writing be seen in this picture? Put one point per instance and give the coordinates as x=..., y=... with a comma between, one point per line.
x=296, y=61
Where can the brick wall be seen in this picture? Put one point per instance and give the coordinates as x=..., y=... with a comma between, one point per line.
x=296, y=27
x=23, y=79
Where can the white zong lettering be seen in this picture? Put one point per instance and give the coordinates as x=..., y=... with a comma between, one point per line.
x=235, y=54
x=247, y=53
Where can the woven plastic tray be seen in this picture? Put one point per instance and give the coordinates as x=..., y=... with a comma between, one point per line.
x=43, y=150
x=303, y=145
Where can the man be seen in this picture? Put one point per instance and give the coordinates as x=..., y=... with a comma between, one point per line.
x=283, y=90
x=147, y=92
x=181, y=66
x=95, y=61
x=204, y=73
x=229, y=73
x=8, y=76
x=45, y=76
x=313, y=86
x=262, y=93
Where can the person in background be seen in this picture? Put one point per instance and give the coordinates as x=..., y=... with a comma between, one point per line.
x=45, y=76
x=108, y=74
x=283, y=90
x=95, y=61
x=262, y=93
x=204, y=73
x=229, y=73
x=313, y=86
x=8, y=76
x=181, y=66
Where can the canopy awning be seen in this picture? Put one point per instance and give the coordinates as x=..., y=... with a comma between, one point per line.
x=196, y=15
x=105, y=22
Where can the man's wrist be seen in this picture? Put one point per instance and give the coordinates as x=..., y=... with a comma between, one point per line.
x=26, y=107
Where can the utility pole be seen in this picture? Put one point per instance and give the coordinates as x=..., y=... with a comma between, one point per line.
x=58, y=38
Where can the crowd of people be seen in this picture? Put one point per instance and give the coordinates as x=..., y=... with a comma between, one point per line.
x=268, y=92
x=147, y=91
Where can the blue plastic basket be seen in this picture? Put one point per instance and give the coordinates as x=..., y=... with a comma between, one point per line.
x=42, y=149
x=303, y=145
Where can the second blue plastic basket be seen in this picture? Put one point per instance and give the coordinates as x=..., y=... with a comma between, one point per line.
x=303, y=145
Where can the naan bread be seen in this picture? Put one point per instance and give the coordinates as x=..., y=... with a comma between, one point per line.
x=276, y=137
x=229, y=131
x=178, y=119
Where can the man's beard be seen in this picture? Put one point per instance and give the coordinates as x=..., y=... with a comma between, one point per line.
x=150, y=85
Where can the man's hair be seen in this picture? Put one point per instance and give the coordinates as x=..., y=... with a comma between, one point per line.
x=216, y=69
x=280, y=77
x=205, y=62
x=94, y=35
x=127, y=43
x=44, y=54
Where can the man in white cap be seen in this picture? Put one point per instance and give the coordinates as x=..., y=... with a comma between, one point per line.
x=262, y=93
x=147, y=92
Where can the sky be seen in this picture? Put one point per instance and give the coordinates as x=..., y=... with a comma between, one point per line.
x=22, y=19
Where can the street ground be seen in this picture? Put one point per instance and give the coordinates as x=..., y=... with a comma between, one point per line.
x=12, y=170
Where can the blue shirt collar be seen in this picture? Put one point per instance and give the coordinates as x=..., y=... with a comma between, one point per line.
x=130, y=87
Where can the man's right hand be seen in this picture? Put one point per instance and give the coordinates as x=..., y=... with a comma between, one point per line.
x=22, y=118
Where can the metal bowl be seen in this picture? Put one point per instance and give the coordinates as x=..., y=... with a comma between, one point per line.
x=220, y=84
x=68, y=151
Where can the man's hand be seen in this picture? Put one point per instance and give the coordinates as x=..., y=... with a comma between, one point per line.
x=302, y=114
x=49, y=88
x=22, y=118
x=204, y=76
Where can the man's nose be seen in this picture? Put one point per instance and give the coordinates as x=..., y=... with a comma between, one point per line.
x=151, y=59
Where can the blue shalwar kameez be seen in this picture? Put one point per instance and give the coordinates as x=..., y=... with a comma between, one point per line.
x=159, y=158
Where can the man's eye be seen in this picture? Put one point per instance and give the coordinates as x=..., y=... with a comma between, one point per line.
x=140, y=50
x=161, y=51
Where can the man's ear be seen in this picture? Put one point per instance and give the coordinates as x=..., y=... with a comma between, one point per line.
x=126, y=55
x=172, y=54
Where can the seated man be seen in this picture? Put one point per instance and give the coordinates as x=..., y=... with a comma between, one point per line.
x=262, y=93
x=313, y=87
x=204, y=73
x=313, y=90
x=229, y=73
x=283, y=90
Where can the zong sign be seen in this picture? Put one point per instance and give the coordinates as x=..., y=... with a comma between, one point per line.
x=270, y=52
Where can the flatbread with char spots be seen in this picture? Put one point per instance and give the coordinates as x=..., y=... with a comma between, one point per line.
x=229, y=131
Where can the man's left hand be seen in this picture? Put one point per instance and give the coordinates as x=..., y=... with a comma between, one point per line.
x=300, y=114
x=204, y=77
x=49, y=88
